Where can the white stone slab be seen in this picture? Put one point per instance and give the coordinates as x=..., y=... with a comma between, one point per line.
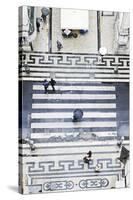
x=73, y=125
x=61, y=115
x=63, y=135
x=74, y=96
x=73, y=106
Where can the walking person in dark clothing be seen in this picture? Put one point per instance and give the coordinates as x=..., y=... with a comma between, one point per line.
x=88, y=157
x=89, y=154
x=52, y=83
x=38, y=24
x=27, y=68
x=31, y=46
x=59, y=45
x=46, y=84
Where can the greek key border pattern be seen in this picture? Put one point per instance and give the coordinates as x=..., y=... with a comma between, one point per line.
x=66, y=59
x=71, y=166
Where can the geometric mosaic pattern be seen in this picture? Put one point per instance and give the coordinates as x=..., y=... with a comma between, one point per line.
x=92, y=66
x=54, y=167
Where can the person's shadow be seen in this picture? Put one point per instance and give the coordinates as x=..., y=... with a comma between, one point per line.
x=13, y=188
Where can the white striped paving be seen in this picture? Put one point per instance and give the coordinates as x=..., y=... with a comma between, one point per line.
x=43, y=66
x=112, y=75
x=72, y=75
x=96, y=75
x=85, y=69
x=73, y=125
x=77, y=80
x=74, y=96
x=57, y=134
x=123, y=71
x=75, y=75
x=82, y=70
x=99, y=144
x=52, y=154
x=73, y=106
x=80, y=154
x=62, y=115
x=57, y=75
x=35, y=74
x=83, y=88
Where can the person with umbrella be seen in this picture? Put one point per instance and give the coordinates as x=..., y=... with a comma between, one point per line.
x=45, y=12
x=77, y=115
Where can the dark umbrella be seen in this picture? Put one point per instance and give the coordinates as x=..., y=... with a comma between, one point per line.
x=45, y=11
x=77, y=115
x=123, y=158
x=124, y=155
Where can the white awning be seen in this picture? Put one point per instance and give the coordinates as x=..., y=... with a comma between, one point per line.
x=74, y=19
x=124, y=21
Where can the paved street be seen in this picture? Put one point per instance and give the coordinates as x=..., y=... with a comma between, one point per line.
x=51, y=145
x=47, y=120
x=105, y=104
x=56, y=167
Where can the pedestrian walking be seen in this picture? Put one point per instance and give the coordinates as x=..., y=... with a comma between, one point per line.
x=59, y=45
x=27, y=68
x=116, y=70
x=31, y=46
x=52, y=83
x=120, y=142
x=46, y=84
x=89, y=154
x=87, y=158
x=45, y=13
x=38, y=24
